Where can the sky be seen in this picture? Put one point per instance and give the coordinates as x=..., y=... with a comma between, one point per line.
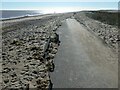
x=60, y=0
x=59, y=6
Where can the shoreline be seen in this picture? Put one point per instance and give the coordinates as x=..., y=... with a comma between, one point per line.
x=22, y=17
x=31, y=43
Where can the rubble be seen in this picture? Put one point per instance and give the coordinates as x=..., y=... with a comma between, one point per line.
x=28, y=53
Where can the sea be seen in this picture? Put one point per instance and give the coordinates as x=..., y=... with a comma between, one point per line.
x=8, y=14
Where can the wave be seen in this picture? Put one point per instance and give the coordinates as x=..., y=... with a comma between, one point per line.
x=13, y=14
x=18, y=17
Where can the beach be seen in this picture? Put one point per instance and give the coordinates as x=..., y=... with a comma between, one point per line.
x=30, y=44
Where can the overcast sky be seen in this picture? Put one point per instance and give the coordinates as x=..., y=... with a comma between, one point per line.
x=58, y=6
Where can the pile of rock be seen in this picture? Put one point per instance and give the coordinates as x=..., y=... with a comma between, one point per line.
x=28, y=54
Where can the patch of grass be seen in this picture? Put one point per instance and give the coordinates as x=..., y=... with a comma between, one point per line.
x=104, y=16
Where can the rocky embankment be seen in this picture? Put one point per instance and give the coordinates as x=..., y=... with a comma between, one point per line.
x=108, y=33
x=29, y=47
x=28, y=50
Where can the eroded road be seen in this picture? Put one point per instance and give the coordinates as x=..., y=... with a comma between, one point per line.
x=83, y=60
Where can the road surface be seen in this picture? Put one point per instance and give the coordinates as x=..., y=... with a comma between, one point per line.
x=83, y=60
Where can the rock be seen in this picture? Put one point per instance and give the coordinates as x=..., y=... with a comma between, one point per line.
x=13, y=80
x=51, y=55
x=29, y=58
x=54, y=51
x=35, y=72
x=55, y=38
x=34, y=48
x=6, y=80
x=36, y=56
x=51, y=66
x=16, y=42
x=24, y=50
x=43, y=38
x=6, y=70
x=22, y=72
x=36, y=44
x=13, y=74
